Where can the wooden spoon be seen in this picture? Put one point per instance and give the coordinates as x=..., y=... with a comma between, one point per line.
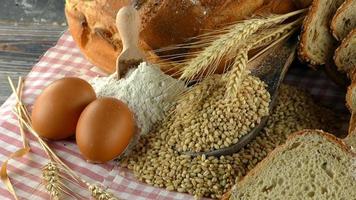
x=128, y=24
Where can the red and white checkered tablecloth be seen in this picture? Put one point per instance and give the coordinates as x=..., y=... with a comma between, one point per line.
x=65, y=59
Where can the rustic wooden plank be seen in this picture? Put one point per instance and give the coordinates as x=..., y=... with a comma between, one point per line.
x=5, y=90
x=21, y=46
x=33, y=11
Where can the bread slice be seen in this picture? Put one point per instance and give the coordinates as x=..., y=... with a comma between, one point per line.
x=345, y=54
x=344, y=19
x=317, y=45
x=312, y=164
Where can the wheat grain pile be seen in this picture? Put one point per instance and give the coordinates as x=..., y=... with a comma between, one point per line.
x=205, y=119
x=156, y=162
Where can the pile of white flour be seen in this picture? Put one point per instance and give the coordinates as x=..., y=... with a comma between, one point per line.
x=146, y=90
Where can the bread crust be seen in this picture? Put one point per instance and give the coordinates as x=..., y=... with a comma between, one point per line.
x=352, y=125
x=338, y=13
x=232, y=11
x=81, y=32
x=337, y=55
x=303, y=55
x=277, y=7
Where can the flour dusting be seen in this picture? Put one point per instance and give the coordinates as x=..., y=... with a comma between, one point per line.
x=147, y=91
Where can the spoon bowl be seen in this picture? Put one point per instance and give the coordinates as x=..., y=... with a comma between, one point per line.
x=271, y=67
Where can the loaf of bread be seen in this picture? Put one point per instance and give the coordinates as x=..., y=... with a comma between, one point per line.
x=171, y=22
x=277, y=7
x=164, y=23
x=311, y=164
x=317, y=45
x=344, y=19
x=345, y=54
x=95, y=32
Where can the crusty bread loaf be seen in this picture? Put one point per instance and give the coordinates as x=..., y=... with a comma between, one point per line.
x=312, y=164
x=164, y=22
x=344, y=19
x=277, y=7
x=317, y=45
x=345, y=54
x=229, y=11
x=172, y=22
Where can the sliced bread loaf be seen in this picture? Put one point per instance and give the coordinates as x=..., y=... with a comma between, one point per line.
x=312, y=164
x=345, y=54
x=317, y=45
x=344, y=19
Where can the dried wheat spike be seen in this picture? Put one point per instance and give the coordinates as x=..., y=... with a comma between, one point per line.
x=238, y=73
x=99, y=193
x=221, y=43
x=50, y=175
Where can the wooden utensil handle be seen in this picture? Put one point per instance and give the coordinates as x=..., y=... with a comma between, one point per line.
x=128, y=24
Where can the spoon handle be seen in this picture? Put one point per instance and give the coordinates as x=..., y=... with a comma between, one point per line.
x=128, y=24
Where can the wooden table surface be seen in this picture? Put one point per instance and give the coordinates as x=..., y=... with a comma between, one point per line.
x=26, y=35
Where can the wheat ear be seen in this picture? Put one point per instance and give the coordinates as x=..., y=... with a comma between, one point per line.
x=227, y=43
x=52, y=180
x=239, y=68
x=101, y=194
x=237, y=73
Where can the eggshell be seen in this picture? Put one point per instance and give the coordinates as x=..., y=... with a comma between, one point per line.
x=57, y=109
x=104, y=129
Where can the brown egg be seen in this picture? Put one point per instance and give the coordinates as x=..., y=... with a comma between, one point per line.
x=104, y=129
x=57, y=109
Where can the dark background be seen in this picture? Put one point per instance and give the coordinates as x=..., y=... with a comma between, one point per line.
x=27, y=29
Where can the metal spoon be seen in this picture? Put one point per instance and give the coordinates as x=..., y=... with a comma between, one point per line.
x=271, y=68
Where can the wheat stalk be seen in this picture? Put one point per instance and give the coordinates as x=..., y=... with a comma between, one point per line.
x=225, y=44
